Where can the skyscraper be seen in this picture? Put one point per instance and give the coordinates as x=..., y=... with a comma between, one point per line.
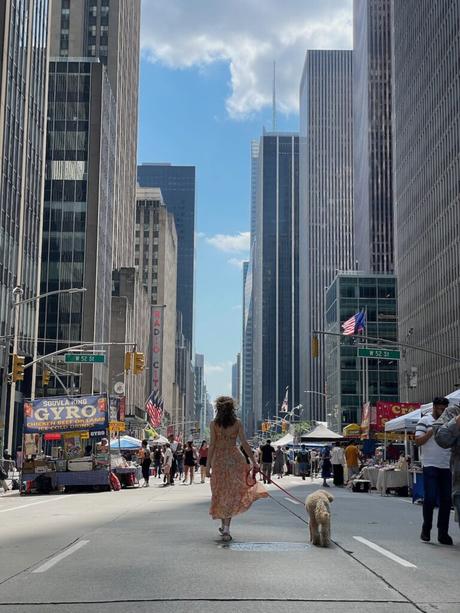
x=426, y=166
x=276, y=276
x=109, y=30
x=326, y=203
x=24, y=30
x=156, y=257
x=247, y=351
x=78, y=218
x=177, y=184
x=372, y=144
x=236, y=379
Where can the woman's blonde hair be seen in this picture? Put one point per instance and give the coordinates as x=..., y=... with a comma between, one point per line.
x=226, y=413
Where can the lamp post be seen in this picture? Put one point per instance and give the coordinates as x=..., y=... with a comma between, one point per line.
x=12, y=317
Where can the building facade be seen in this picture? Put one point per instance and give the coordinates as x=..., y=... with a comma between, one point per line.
x=276, y=276
x=109, y=30
x=326, y=203
x=200, y=396
x=247, y=351
x=372, y=143
x=24, y=29
x=177, y=184
x=130, y=323
x=426, y=178
x=353, y=380
x=236, y=380
x=78, y=216
x=156, y=253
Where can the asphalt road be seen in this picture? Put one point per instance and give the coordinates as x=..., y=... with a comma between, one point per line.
x=156, y=549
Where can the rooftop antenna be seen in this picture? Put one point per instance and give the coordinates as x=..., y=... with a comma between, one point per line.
x=274, y=98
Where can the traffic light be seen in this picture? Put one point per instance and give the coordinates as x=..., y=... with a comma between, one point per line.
x=128, y=360
x=18, y=367
x=139, y=363
x=46, y=374
x=314, y=347
x=284, y=426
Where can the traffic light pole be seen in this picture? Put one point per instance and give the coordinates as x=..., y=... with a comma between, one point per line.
x=5, y=367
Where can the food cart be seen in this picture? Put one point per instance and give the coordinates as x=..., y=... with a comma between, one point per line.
x=62, y=443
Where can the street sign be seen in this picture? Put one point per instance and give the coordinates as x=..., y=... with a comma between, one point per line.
x=119, y=388
x=85, y=358
x=381, y=354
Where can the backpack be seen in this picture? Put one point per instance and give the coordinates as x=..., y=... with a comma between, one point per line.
x=302, y=457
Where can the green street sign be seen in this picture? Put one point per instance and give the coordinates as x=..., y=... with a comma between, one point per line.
x=85, y=358
x=380, y=354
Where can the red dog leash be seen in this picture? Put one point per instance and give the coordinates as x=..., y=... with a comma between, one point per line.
x=254, y=473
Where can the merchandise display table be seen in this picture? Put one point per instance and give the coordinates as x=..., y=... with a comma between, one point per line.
x=371, y=473
x=389, y=478
x=60, y=479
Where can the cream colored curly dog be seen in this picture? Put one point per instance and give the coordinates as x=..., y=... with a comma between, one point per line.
x=317, y=506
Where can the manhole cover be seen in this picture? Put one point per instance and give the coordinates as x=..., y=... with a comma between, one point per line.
x=268, y=546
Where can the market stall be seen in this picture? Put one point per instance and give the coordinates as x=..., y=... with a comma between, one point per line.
x=123, y=452
x=64, y=443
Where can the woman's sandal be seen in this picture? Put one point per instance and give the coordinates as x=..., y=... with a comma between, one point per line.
x=226, y=537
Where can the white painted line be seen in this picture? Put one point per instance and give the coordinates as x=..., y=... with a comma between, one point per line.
x=385, y=552
x=291, y=500
x=47, y=565
x=32, y=504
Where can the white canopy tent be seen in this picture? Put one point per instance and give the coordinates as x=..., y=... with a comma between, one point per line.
x=288, y=439
x=407, y=423
x=321, y=433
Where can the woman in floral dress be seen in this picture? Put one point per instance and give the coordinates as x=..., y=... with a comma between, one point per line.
x=233, y=488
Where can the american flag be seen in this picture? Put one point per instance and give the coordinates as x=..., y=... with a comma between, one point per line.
x=285, y=405
x=154, y=408
x=355, y=324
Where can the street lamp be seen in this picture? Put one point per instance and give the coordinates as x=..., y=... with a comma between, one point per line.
x=11, y=313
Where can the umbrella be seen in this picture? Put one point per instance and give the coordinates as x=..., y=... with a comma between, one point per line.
x=160, y=440
x=321, y=433
x=125, y=443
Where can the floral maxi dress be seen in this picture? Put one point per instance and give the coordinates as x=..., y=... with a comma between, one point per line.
x=233, y=488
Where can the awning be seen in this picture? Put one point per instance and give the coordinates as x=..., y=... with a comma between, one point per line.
x=409, y=421
x=125, y=443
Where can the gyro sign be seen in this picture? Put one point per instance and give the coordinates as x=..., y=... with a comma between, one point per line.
x=61, y=413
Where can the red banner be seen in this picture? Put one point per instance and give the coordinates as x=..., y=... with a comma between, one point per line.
x=384, y=411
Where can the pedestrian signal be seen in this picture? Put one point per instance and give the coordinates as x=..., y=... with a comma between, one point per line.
x=314, y=347
x=18, y=367
x=284, y=426
x=139, y=363
x=46, y=377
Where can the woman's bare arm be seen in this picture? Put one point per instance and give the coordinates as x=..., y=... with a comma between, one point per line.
x=210, y=449
x=244, y=442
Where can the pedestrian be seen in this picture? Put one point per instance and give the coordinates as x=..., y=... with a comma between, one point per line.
x=233, y=490
x=145, y=460
x=157, y=460
x=202, y=457
x=326, y=466
x=189, y=462
x=278, y=467
x=437, y=477
x=173, y=446
x=167, y=464
x=303, y=459
x=180, y=461
x=267, y=453
x=313, y=464
x=4, y=476
x=447, y=435
x=337, y=461
x=352, y=460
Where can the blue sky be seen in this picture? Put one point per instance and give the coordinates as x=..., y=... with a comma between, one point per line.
x=205, y=93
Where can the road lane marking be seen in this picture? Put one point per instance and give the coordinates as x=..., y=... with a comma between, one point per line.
x=50, y=563
x=32, y=504
x=291, y=500
x=385, y=552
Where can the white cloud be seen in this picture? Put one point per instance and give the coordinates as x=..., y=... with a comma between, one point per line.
x=230, y=243
x=237, y=307
x=237, y=263
x=210, y=369
x=248, y=35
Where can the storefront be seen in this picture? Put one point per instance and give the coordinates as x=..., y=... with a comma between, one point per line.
x=66, y=443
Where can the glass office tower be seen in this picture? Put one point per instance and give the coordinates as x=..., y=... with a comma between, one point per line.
x=348, y=294
x=276, y=276
x=78, y=217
